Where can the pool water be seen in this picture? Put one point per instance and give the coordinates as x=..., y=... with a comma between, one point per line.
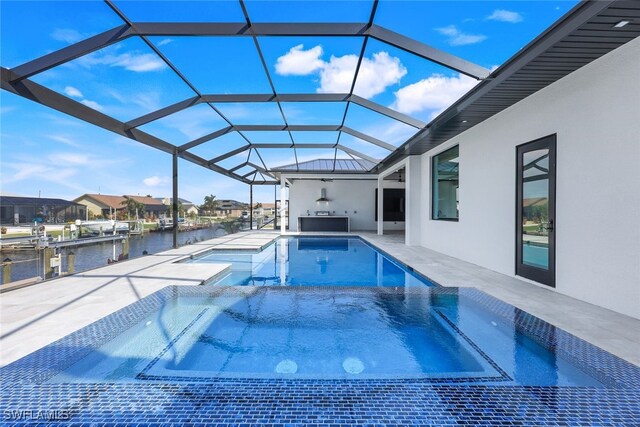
x=536, y=256
x=434, y=334
x=314, y=261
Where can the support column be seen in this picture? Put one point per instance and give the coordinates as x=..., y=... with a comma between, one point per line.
x=380, y=206
x=174, y=204
x=250, y=206
x=283, y=186
x=413, y=197
x=275, y=207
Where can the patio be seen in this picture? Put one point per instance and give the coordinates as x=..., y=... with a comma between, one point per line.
x=486, y=194
x=59, y=307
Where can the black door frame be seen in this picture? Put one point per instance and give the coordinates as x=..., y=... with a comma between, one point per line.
x=546, y=277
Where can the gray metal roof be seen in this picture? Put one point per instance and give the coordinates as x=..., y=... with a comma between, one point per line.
x=582, y=35
x=328, y=165
x=34, y=201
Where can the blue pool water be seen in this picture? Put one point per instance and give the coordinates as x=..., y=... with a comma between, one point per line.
x=314, y=261
x=536, y=255
x=332, y=333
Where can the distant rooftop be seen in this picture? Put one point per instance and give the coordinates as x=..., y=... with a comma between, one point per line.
x=231, y=205
x=117, y=202
x=329, y=165
x=33, y=201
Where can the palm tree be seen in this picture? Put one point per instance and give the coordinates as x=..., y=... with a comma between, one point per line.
x=180, y=209
x=132, y=206
x=210, y=204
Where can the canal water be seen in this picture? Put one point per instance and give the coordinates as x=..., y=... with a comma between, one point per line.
x=27, y=265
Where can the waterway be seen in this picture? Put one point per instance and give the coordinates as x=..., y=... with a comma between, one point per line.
x=28, y=264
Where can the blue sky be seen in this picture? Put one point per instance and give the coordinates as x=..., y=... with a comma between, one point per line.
x=47, y=152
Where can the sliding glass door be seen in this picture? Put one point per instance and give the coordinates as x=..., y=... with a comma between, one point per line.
x=535, y=210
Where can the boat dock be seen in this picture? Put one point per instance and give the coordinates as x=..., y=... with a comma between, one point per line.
x=36, y=242
x=181, y=227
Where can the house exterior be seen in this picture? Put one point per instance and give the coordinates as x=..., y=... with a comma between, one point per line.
x=265, y=210
x=103, y=205
x=189, y=207
x=16, y=210
x=231, y=208
x=153, y=207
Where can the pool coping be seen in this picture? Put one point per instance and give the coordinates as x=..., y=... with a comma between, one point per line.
x=23, y=382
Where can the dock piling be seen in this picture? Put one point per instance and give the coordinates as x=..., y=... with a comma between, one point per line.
x=71, y=259
x=125, y=248
x=6, y=270
x=48, y=254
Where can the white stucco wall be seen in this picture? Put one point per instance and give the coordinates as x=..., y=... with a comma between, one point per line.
x=595, y=113
x=356, y=197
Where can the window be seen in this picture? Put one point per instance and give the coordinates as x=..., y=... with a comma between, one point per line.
x=444, y=176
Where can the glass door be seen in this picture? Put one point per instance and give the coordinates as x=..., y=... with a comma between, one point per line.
x=535, y=209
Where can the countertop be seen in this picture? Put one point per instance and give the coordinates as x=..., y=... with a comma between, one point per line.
x=323, y=216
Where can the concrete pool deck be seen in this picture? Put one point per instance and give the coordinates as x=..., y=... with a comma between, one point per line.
x=614, y=332
x=33, y=317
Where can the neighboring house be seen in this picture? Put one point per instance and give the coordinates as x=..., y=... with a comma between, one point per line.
x=104, y=205
x=20, y=210
x=101, y=204
x=267, y=209
x=231, y=208
x=188, y=207
x=152, y=206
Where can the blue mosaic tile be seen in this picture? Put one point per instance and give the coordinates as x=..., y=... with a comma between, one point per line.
x=27, y=399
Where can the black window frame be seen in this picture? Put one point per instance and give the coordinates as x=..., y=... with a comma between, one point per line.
x=545, y=277
x=434, y=168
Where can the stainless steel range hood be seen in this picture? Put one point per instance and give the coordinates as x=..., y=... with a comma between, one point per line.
x=323, y=196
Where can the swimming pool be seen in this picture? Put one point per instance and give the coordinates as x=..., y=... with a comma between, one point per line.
x=314, y=261
x=438, y=335
x=491, y=364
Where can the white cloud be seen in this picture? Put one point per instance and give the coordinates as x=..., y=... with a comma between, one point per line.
x=66, y=35
x=458, y=38
x=64, y=140
x=194, y=123
x=132, y=61
x=505, y=16
x=92, y=104
x=148, y=100
x=434, y=94
x=336, y=75
x=69, y=159
x=300, y=62
x=375, y=75
x=17, y=172
x=164, y=42
x=395, y=134
x=155, y=181
x=139, y=63
x=73, y=92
